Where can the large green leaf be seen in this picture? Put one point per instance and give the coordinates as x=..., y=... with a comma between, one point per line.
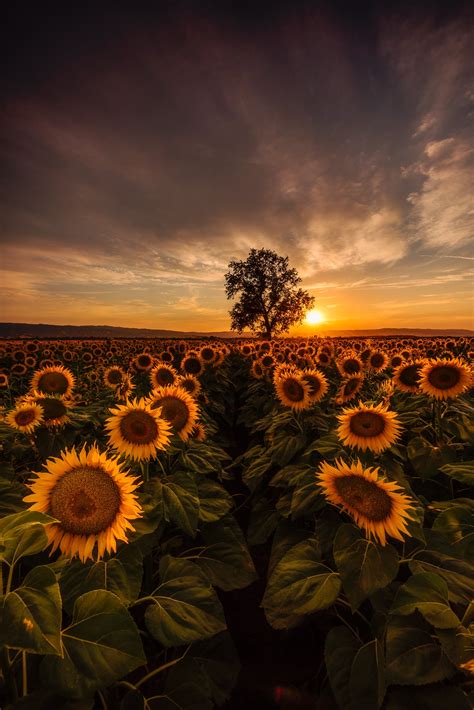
x=367, y=678
x=121, y=574
x=413, y=657
x=263, y=521
x=458, y=643
x=365, y=566
x=428, y=593
x=101, y=645
x=179, y=499
x=185, y=607
x=462, y=471
x=456, y=523
x=457, y=573
x=209, y=671
x=225, y=558
x=299, y=584
x=427, y=459
x=214, y=501
x=32, y=614
x=339, y=651
x=22, y=534
x=12, y=493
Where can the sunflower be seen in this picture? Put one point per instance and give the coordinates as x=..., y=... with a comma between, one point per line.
x=3, y=380
x=293, y=391
x=192, y=365
x=53, y=380
x=407, y=376
x=114, y=377
x=379, y=507
x=368, y=427
x=318, y=384
x=349, y=388
x=92, y=499
x=162, y=375
x=177, y=407
x=143, y=362
x=137, y=430
x=55, y=408
x=25, y=417
x=445, y=378
x=190, y=384
x=199, y=432
x=19, y=369
x=257, y=370
x=350, y=365
x=207, y=355
x=396, y=360
x=377, y=361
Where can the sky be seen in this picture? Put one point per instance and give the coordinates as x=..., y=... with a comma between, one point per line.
x=143, y=149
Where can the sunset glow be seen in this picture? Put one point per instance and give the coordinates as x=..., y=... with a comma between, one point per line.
x=314, y=317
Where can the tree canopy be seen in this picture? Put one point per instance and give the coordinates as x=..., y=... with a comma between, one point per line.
x=269, y=298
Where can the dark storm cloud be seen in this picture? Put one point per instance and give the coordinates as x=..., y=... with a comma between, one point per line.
x=140, y=148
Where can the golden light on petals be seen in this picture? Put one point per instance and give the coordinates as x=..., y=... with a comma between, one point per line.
x=178, y=408
x=292, y=390
x=368, y=427
x=137, y=430
x=92, y=499
x=443, y=379
x=379, y=507
x=25, y=417
x=318, y=384
x=406, y=377
x=55, y=380
x=349, y=388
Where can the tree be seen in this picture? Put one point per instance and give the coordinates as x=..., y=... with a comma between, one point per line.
x=270, y=301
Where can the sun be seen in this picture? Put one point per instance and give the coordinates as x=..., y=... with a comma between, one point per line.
x=314, y=317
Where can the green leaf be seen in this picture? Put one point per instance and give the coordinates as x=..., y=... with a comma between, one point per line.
x=307, y=497
x=364, y=565
x=434, y=697
x=179, y=499
x=427, y=459
x=328, y=445
x=457, y=525
x=185, y=607
x=457, y=573
x=263, y=521
x=458, y=644
x=32, y=614
x=462, y=471
x=225, y=558
x=11, y=496
x=367, y=678
x=23, y=534
x=121, y=574
x=214, y=501
x=339, y=651
x=286, y=446
x=256, y=470
x=101, y=645
x=299, y=584
x=428, y=593
x=413, y=657
x=209, y=671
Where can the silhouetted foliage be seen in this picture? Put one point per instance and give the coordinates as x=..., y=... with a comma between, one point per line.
x=269, y=298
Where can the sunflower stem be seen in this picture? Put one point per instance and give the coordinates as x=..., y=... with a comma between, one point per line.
x=24, y=669
x=144, y=465
x=8, y=676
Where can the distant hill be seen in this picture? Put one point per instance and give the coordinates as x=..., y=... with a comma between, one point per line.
x=42, y=330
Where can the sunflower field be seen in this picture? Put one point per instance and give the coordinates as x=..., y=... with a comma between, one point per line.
x=190, y=524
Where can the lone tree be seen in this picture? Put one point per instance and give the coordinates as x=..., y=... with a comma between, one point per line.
x=270, y=301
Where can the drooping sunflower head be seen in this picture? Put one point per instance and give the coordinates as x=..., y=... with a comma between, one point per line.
x=318, y=384
x=257, y=371
x=349, y=388
x=368, y=427
x=25, y=417
x=293, y=391
x=162, y=375
x=53, y=380
x=178, y=408
x=113, y=377
x=137, y=430
x=407, y=376
x=92, y=499
x=378, y=506
x=444, y=378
